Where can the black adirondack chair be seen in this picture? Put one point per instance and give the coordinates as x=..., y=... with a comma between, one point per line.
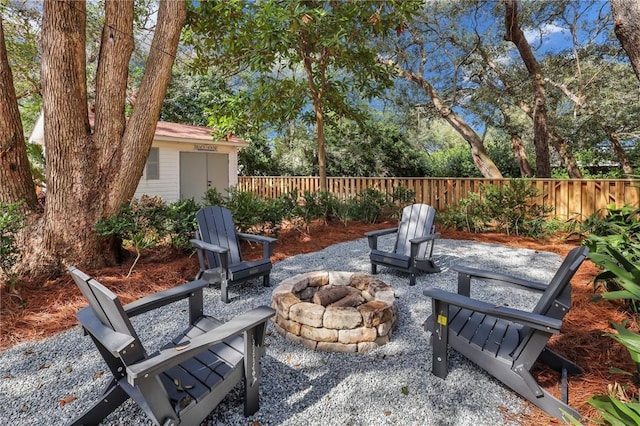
x=219, y=254
x=413, y=249
x=504, y=341
x=184, y=381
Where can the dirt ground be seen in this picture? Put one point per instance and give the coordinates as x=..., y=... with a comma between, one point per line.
x=42, y=308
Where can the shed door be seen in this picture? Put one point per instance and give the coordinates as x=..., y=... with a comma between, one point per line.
x=200, y=171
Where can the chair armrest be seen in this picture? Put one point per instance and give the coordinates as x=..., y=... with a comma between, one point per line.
x=113, y=341
x=529, y=319
x=162, y=298
x=171, y=357
x=267, y=242
x=380, y=232
x=372, y=236
x=498, y=278
x=257, y=238
x=425, y=238
x=199, y=244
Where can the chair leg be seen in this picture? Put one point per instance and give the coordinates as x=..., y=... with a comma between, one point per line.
x=224, y=292
x=252, y=372
x=412, y=278
x=266, y=281
x=374, y=269
x=111, y=399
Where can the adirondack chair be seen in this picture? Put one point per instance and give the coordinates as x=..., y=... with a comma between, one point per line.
x=413, y=248
x=503, y=341
x=184, y=381
x=218, y=246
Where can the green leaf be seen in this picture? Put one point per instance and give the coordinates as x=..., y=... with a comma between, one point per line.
x=405, y=390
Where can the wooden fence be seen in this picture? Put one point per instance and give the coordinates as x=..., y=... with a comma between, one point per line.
x=569, y=199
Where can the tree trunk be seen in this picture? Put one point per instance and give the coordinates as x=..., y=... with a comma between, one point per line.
x=478, y=152
x=556, y=141
x=540, y=133
x=322, y=156
x=89, y=175
x=16, y=183
x=626, y=15
x=616, y=144
x=521, y=156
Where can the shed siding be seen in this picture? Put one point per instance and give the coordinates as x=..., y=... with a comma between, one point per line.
x=168, y=186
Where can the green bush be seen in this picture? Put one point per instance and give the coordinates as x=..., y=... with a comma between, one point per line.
x=139, y=224
x=11, y=222
x=213, y=197
x=510, y=209
x=180, y=223
x=617, y=408
x=468, y=215
x=613, y=221
x=513, y=210
x=371, y=205
x=246, y=209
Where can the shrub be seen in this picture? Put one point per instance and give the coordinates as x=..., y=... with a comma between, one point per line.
x=213, y=197
x=180, y=223
x=246, y=209
x=617, y=407
x=138, y=224
x=371, y=205
x=510, y=209
x=11, y=222
x=468, y=215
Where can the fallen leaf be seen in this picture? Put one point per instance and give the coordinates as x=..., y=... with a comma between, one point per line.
x=296, y=364
x=98, y=374
x=9, y=376
x=68, y=369
x=28, y=352
x=288, y=357
x=24, y=408
x=256, y=423
x=405, y=390
x=67, y=400
x=43, y=366
x=387, y=413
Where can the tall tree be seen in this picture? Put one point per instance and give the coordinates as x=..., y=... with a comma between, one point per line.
x=541, y=136
x=430, y=56
x=626, y=14
x=542, y=131
x=15, y=175
x=90, y=174
x=321, y=49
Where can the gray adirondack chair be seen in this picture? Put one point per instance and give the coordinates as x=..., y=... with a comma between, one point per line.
x=184, y=381
x=413, y=249
x=219, y=254
x=503, y=341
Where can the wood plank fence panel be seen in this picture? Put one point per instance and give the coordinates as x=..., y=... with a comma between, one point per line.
x=568, y=199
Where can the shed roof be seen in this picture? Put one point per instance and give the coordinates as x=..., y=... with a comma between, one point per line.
x=165, y=131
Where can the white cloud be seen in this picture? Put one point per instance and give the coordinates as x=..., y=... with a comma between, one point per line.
x=534, y=35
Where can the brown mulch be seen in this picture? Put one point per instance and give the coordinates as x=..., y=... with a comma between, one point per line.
x=42, y=308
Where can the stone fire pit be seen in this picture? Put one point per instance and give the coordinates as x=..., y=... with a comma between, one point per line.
x=335, y=311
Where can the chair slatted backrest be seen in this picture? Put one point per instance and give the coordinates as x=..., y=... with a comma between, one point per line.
x=215, y=226
x=417, y=221
x=107, y=308
x=558, y=290
x=560, y=282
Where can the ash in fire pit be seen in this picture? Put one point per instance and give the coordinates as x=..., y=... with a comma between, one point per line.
x=335, y=311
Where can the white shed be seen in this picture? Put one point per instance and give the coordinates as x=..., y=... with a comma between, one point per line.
x=184, y=161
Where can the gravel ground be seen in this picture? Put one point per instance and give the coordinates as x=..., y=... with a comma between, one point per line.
x=392, y=385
